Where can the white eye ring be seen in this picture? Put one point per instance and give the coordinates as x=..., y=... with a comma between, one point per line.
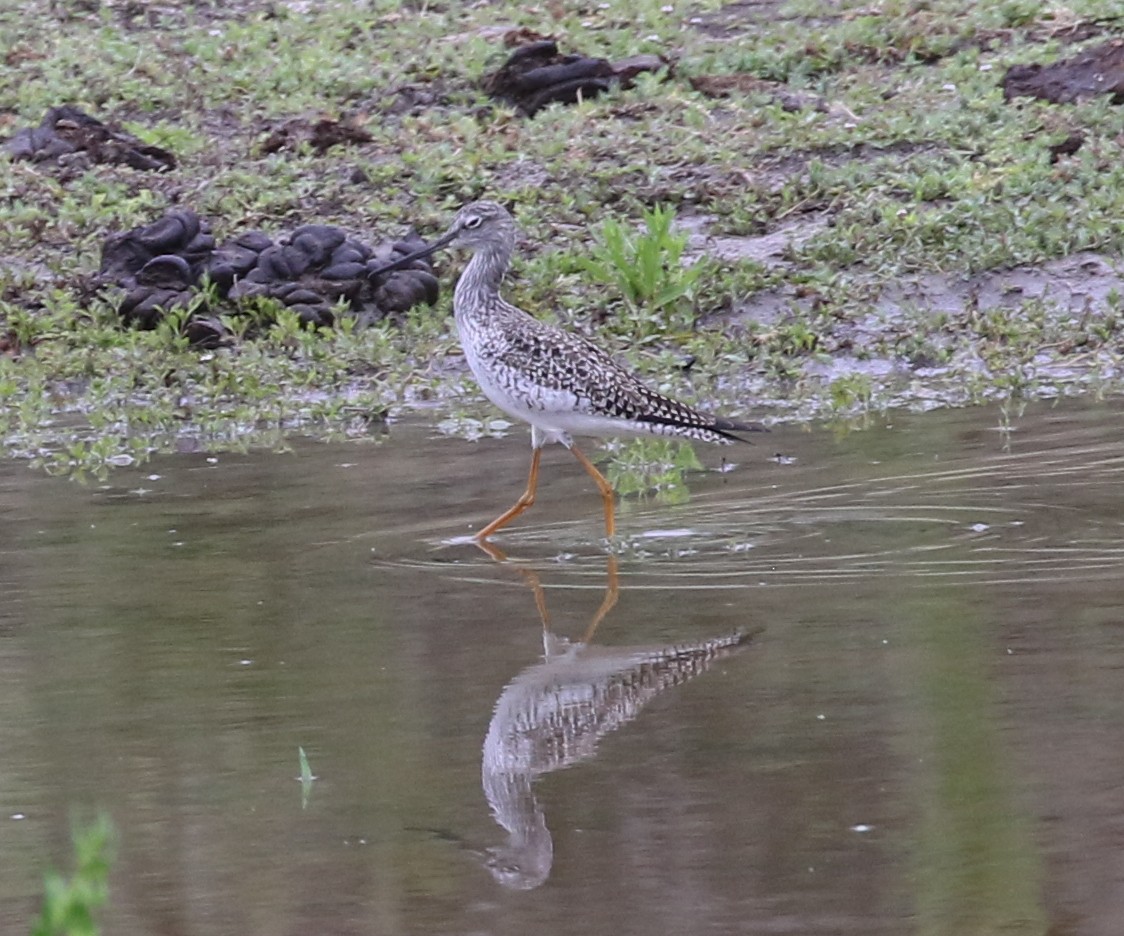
x=473, y=222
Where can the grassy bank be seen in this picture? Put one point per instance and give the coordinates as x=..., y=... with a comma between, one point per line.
x=872, y=224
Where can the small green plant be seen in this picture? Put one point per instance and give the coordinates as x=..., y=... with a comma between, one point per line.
x=305, y=778
x=794, y=337
x=69, y=905
x=642, y=466
x=645, y=268
x=851, y=392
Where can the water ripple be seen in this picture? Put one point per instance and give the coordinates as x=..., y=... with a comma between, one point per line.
x=1029, y=516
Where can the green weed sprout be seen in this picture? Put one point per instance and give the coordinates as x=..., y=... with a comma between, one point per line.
x=645, y=268
x=69, y=905
x=659, y=466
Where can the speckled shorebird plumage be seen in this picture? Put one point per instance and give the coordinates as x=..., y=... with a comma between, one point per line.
x=557, y=381
x=554, y=714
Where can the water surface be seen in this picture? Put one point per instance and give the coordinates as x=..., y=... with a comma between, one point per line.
x=922, y=733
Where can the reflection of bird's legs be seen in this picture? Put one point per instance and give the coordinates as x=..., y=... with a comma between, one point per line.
x=535, y=582
x=529, y=575
x=603, y=486
x=492, y=550
x=526, y=499
x=612, y=589
x=612, y=593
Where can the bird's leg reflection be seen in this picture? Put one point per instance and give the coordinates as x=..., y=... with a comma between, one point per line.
x=612, y=594
x=531, y=577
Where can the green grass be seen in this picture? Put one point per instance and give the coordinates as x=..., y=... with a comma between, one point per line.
x=912, y=160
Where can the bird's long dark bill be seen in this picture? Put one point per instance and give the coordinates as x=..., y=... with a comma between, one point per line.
x=401, y=262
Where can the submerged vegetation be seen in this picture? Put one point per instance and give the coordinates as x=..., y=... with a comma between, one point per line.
x=70, y=904
x=814, y=211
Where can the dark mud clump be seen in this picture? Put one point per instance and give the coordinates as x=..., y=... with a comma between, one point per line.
x=537, y=74
x=313, y=271
x=320, y=134
x=1096, y=71
x=68, y=135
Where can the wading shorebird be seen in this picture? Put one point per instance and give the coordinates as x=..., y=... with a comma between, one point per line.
x=560, y=383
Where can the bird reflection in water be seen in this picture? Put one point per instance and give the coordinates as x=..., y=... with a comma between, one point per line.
x=554, y=714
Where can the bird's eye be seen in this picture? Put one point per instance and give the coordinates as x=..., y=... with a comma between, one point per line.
x=473, y=222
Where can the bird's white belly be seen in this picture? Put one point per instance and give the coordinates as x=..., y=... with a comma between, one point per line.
x=551, y=411
x=554, y=413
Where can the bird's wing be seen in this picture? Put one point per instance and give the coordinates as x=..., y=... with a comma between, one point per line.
x=562, y=362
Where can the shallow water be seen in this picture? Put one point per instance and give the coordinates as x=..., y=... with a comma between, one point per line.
x=922, y=734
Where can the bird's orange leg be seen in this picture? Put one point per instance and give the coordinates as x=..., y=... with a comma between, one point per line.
x=603, y=486
x=526, y=499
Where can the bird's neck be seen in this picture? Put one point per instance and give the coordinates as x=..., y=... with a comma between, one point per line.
x=481, y=279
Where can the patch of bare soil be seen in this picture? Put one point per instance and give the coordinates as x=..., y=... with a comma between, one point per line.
x=1093, y=72
x=735, y=19
x=770, y=250
x=1074, y=285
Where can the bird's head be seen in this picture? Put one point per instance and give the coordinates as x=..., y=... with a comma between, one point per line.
x=481, y=225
